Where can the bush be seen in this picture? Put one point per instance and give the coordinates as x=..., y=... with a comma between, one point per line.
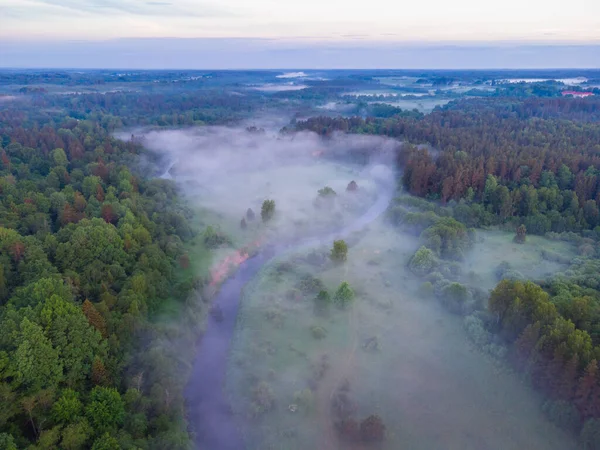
x=322, y=302
x=344, y=295
x=310, y=285
x=268, y=210
x=422, y=262
x=339, y=252
x=327, y=192
x=455, y=296
x=305, y=400
x=214, y=238
x=476, y=331
x=318, y=332
x=521, y=235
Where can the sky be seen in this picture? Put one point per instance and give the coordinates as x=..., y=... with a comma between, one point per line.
x=66, y=27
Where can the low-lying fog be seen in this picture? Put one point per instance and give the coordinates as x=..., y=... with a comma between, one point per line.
x=292, y=371
x=228, y=170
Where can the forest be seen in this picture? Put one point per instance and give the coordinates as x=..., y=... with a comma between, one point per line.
x=90, y=255
x=107, y=268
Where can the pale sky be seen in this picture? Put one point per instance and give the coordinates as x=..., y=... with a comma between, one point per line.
x=388, y=20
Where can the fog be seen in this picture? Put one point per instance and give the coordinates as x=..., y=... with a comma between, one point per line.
x=228, y=170
x=272, y=370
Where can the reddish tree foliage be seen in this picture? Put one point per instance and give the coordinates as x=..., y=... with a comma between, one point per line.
x=79, y=202
x=94, y=317
x=184, y=261
x=99, y=193
x=108, y=148
x=352, y=186
x=69, y=215
x=75, y=150
x=5, y=159
x=586, y=396
x=101, y=170
x=568, y=381
x=17, y=251
x=525, y=344
x=372, y=429
x=349, y=430
x=108, y=214
x=99, y=373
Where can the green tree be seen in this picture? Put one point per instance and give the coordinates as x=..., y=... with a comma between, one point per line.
x=106, y=442
x=59, y=157
x=339, y=252
x=322, y=301
x=565, y=177
x=106, y=409
x=76, y=435
x=90, y=186
x=7, y=442
x=37, y=363
x=344, y=295
x=327, y=192
x=268, y=210
x=67, y=408
x=422, y=262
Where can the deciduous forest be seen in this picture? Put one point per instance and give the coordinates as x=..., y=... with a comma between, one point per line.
x=108, y=266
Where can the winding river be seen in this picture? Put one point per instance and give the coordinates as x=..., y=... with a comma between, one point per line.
x=208, y=408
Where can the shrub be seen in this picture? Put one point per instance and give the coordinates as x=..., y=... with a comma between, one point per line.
x=322, y=302
x=310, y=285
x=268, y=210
x=339, y=252
x=344, y=295
x=521, y=237
x=214, y=238
x=422, y=262
x=455, y=296
x=318, y=332
x=327, y=192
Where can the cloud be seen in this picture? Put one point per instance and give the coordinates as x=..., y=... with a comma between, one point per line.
x=140, y=8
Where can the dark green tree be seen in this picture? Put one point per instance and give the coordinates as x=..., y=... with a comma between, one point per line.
x=339, y=252
x=268, y=210
x=344, y=295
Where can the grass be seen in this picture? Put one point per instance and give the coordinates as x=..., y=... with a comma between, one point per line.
x=425, y=380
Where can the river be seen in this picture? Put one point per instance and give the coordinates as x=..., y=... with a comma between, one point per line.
x=208, y=408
